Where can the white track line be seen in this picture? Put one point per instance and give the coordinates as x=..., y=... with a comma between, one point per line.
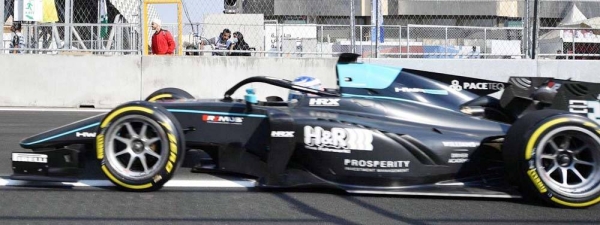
x=105, y=183
x=52, y=109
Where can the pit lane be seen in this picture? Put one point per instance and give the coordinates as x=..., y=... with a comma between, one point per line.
x=199, y=198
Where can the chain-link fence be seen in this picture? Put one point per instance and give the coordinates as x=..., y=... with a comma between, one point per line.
x=569, y=29
x=270, y=27
x=325, y=28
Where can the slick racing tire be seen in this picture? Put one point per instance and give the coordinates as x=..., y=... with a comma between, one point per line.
x=555, y=156
x=140, y=145
x=167, y=94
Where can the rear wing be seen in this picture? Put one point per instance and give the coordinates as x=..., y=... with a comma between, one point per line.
x=525, y=94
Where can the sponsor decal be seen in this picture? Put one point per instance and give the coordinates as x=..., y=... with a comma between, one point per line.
x=282, y=134
x=85, y=134
x=460, y=144
x=457, y=157
x=223, y=119
x=456, y=85
x=340, y=140
x=324, y=102
x=376, y=166
x=537, y=181
x=590, y=108
x=419, y=90
x=26, y=157
x=326, y=115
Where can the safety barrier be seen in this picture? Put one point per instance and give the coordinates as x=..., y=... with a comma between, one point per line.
x=107, y=81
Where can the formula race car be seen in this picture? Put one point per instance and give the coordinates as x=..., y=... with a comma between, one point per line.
x=382, y=131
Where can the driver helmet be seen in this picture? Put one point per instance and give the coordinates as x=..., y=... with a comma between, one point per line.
x=304, y=81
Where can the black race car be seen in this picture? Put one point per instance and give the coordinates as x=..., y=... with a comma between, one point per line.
x=382, y=131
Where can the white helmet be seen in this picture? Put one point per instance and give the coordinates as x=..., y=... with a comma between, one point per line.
x=304, y=81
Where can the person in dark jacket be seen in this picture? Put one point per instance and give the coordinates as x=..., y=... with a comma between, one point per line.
x=239, y=44
x=162, y=40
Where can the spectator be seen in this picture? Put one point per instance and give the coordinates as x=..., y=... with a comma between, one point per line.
x=239, y=44
x=162, y=40
x=560, y=56
x=17, y=40
x=221, y=42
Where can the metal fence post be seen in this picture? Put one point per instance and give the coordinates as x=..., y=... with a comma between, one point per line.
x=573, y=43
x=361, y=41
x=377, y=27
x=485, y=43
x=446, y=43
x=2, y=25
x=352, y=27
x=526, y=30
x=399, y=41
x=69, y=23
x=141, y=27
x=322, y=41
x=408, y=41
x=536, y=23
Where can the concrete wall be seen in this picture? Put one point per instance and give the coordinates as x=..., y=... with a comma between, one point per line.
x=210, y=77
x=104, y=81
x=68, y=81
x=499, y=70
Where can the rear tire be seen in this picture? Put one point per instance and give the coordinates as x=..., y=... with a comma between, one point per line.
x=140, y=146
x=555, y=156
x=168, y=94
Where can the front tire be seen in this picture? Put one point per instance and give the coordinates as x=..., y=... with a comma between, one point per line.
x=168, y=94
x=140, y=146
x=555, y=156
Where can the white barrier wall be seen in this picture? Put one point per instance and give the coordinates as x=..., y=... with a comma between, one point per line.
x=107, y=81
x=498, y=70
x=576, y=70
x=68, y=81
x=210, y=77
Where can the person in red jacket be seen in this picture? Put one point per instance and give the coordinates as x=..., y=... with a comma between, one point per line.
x=162, y=40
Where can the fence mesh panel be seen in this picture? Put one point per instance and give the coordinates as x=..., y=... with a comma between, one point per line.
x=322, y=28
x=569, y=29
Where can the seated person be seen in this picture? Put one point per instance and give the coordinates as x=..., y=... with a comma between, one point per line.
x=237, y=43
x=221, y=42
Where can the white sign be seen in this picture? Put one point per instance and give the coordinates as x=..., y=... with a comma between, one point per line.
x=28, y=10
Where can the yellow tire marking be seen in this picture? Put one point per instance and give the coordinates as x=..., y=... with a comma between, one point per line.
x=118, y=182
x=100, y=146
x=125, y=109
x=598, y=131
x=538, y=132
x=172, y=138
x=166, y=125
x=593, y=125
x=153, y=99
x=533, y=175
x=582, y=204
x=169, y=167
x=173, y=155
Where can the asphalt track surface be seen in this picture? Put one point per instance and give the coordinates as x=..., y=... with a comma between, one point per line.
x=237, y=205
